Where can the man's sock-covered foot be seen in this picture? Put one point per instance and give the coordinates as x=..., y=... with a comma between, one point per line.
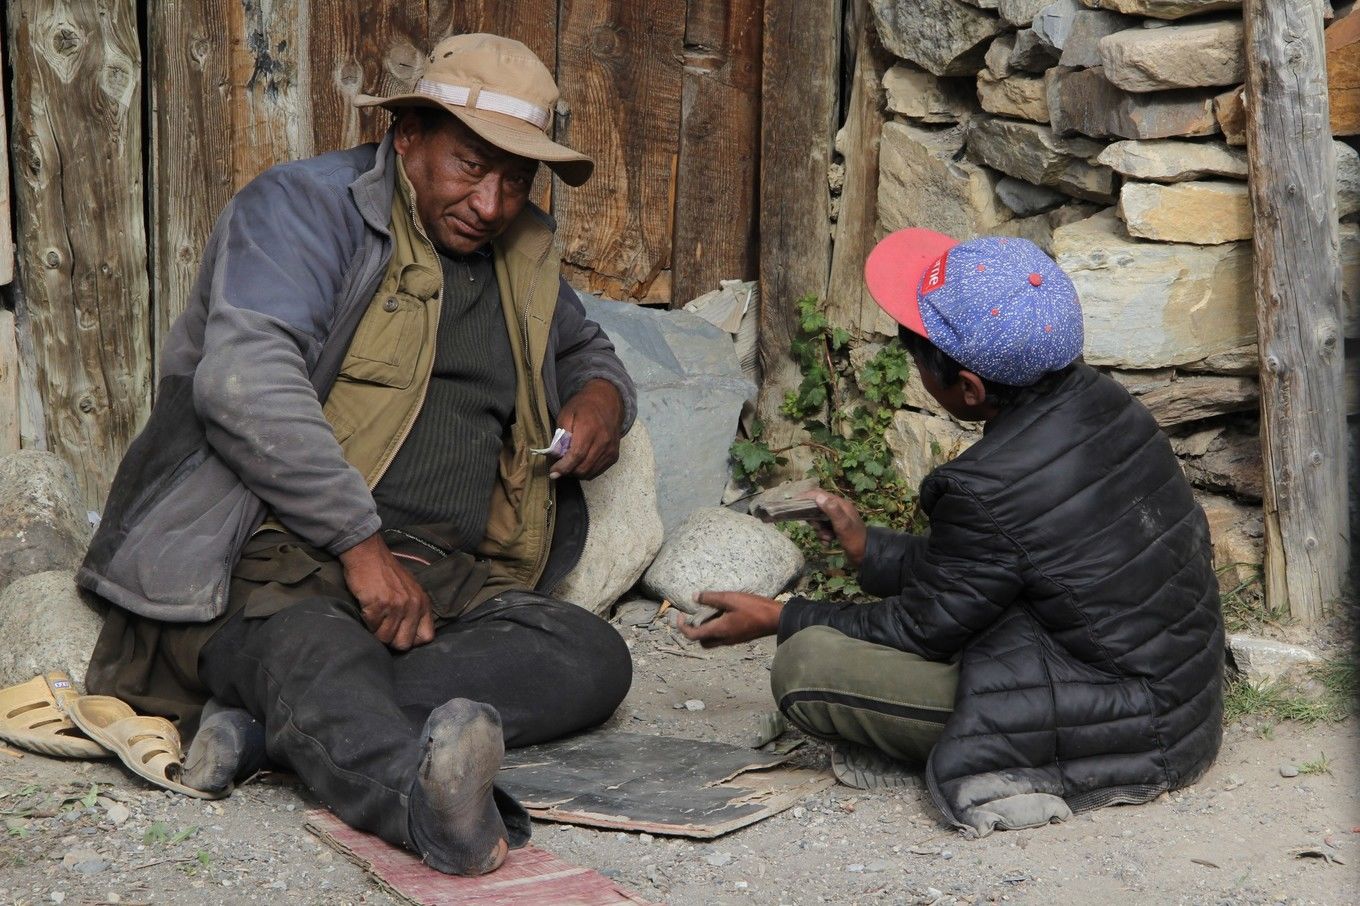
x=228, y=747
x=454, y=820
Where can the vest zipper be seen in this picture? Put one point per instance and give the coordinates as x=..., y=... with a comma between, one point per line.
x=425, y=383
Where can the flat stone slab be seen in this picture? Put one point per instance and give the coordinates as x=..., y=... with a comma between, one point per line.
x=1170, y=160
x=1020, y=96
x=691, y=390
x=1084, y=101
x=1032, y=152
x=1155, y=304
x=923, y=96
x=946, y=37
x=923, y=183
x=1265, y=659
x=1201, y=54
x=1163, y=9
x=1203, y=213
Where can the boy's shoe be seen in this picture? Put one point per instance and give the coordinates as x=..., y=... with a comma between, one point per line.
x=869, y=769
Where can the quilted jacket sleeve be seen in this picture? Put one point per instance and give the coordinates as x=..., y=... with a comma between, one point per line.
x=951, y=584
x=585, y=352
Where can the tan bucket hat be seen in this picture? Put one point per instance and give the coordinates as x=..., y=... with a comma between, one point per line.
x=500, y=90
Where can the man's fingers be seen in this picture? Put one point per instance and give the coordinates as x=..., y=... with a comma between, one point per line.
x=704, y=633
x=720, y=600
x=425, y=631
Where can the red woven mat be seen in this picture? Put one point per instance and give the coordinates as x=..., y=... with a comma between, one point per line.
x=529, y=875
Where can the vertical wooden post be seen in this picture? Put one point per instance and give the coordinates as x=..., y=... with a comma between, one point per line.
x=1298, y=303
x=82, y=243
x=801, y=78
x=715, y=205
x=6, y=234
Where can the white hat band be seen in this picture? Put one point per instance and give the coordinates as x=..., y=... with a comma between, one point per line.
x=457, y=95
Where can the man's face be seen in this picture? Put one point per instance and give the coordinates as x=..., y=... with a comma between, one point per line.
x=467, y=191
x=965, y=400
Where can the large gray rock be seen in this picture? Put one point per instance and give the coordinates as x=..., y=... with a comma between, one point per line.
x=716, y=549
x=1083, y=100
x=1020, y=12
x=1199, y=55
x=1032, y=152
x=625, y=527
x=922, y=96
x=1203, y=213
x=1081, y=46
x=1154, y=304
x=1266, y=660
x=922, y=183
x=1163, y=9
x=1225, y=459
x=690, y=394
x=43, y=521
x=46, y=624
x=944, y=36
x=1020, y=96
x=1170, y=160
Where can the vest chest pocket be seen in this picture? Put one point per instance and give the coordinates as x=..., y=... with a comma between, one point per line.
x=387, y=345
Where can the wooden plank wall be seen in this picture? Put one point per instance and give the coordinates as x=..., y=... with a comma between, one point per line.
x=6, y=231
x=719, y=162
x=77, y=137
x=618, y=67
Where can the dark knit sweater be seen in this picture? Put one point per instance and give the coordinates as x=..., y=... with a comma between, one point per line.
x=444, y=471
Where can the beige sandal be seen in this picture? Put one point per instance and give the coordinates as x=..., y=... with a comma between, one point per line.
x=31, y=718
x=149, y=746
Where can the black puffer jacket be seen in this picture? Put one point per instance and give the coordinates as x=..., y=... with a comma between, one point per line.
x=1069, y=565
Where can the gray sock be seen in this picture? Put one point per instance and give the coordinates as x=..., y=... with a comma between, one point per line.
x=228, y=747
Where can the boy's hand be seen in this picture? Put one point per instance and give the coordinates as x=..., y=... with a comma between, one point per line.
x=744, y=617
x=846, y=525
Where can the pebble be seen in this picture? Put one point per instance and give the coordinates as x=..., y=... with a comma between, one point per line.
x=58, y=896
x=718, y=859
x=878, y=865
x=946, y=854
x=694, y=704
x=119, y=813
x=1288, y=770
x=799, y=812
x=855, y=868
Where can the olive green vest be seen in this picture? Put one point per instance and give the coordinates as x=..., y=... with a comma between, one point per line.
x=386, y=372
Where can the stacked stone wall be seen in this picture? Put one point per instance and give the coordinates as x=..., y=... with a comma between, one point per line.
x=1111, y=133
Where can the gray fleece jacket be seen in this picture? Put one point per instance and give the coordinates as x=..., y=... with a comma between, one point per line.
x=237, y=428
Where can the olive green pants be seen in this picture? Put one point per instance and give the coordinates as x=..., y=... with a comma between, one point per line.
x=840, y=688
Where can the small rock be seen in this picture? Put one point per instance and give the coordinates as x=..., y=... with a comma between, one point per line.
x=693, y=704
x=718, y=859
x=799, y=812
x=943, y=36
x=1262, y=660
x=1288, y=770
x=878, y=865
x=118, y=813
x=57, y=896
x=637, y=612
x=857, y=867
x=946, y=854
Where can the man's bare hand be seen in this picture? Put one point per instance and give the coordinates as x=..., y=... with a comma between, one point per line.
x=394, y=606
x=744, y=617
x=846, y=525
x=594, y=416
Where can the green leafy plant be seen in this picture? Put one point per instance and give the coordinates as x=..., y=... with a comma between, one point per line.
x=846, y=415
x=1318, y=765
x=1338, y=680
x=158, y=832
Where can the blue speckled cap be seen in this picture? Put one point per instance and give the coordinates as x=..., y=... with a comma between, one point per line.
x=998, y=306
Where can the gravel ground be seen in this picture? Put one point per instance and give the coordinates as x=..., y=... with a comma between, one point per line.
x=86, y=833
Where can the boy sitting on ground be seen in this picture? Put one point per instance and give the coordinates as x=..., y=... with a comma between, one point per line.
x=1054, y=643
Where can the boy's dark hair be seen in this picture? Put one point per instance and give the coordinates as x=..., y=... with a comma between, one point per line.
x=945, y=370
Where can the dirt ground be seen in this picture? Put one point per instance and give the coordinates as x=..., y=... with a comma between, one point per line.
x=87, y=833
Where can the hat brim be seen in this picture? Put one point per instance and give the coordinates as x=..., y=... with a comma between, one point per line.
x=505, y=132
x=895, y=269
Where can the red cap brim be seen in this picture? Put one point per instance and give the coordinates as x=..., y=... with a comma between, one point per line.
x=896, y=267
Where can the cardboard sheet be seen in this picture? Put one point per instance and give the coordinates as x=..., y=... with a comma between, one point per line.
x=658, y=784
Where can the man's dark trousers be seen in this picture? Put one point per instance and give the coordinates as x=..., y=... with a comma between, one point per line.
x=346, y=713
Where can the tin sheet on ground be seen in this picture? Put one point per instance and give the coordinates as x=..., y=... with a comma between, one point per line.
x=658, y=784
x=529, y=876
